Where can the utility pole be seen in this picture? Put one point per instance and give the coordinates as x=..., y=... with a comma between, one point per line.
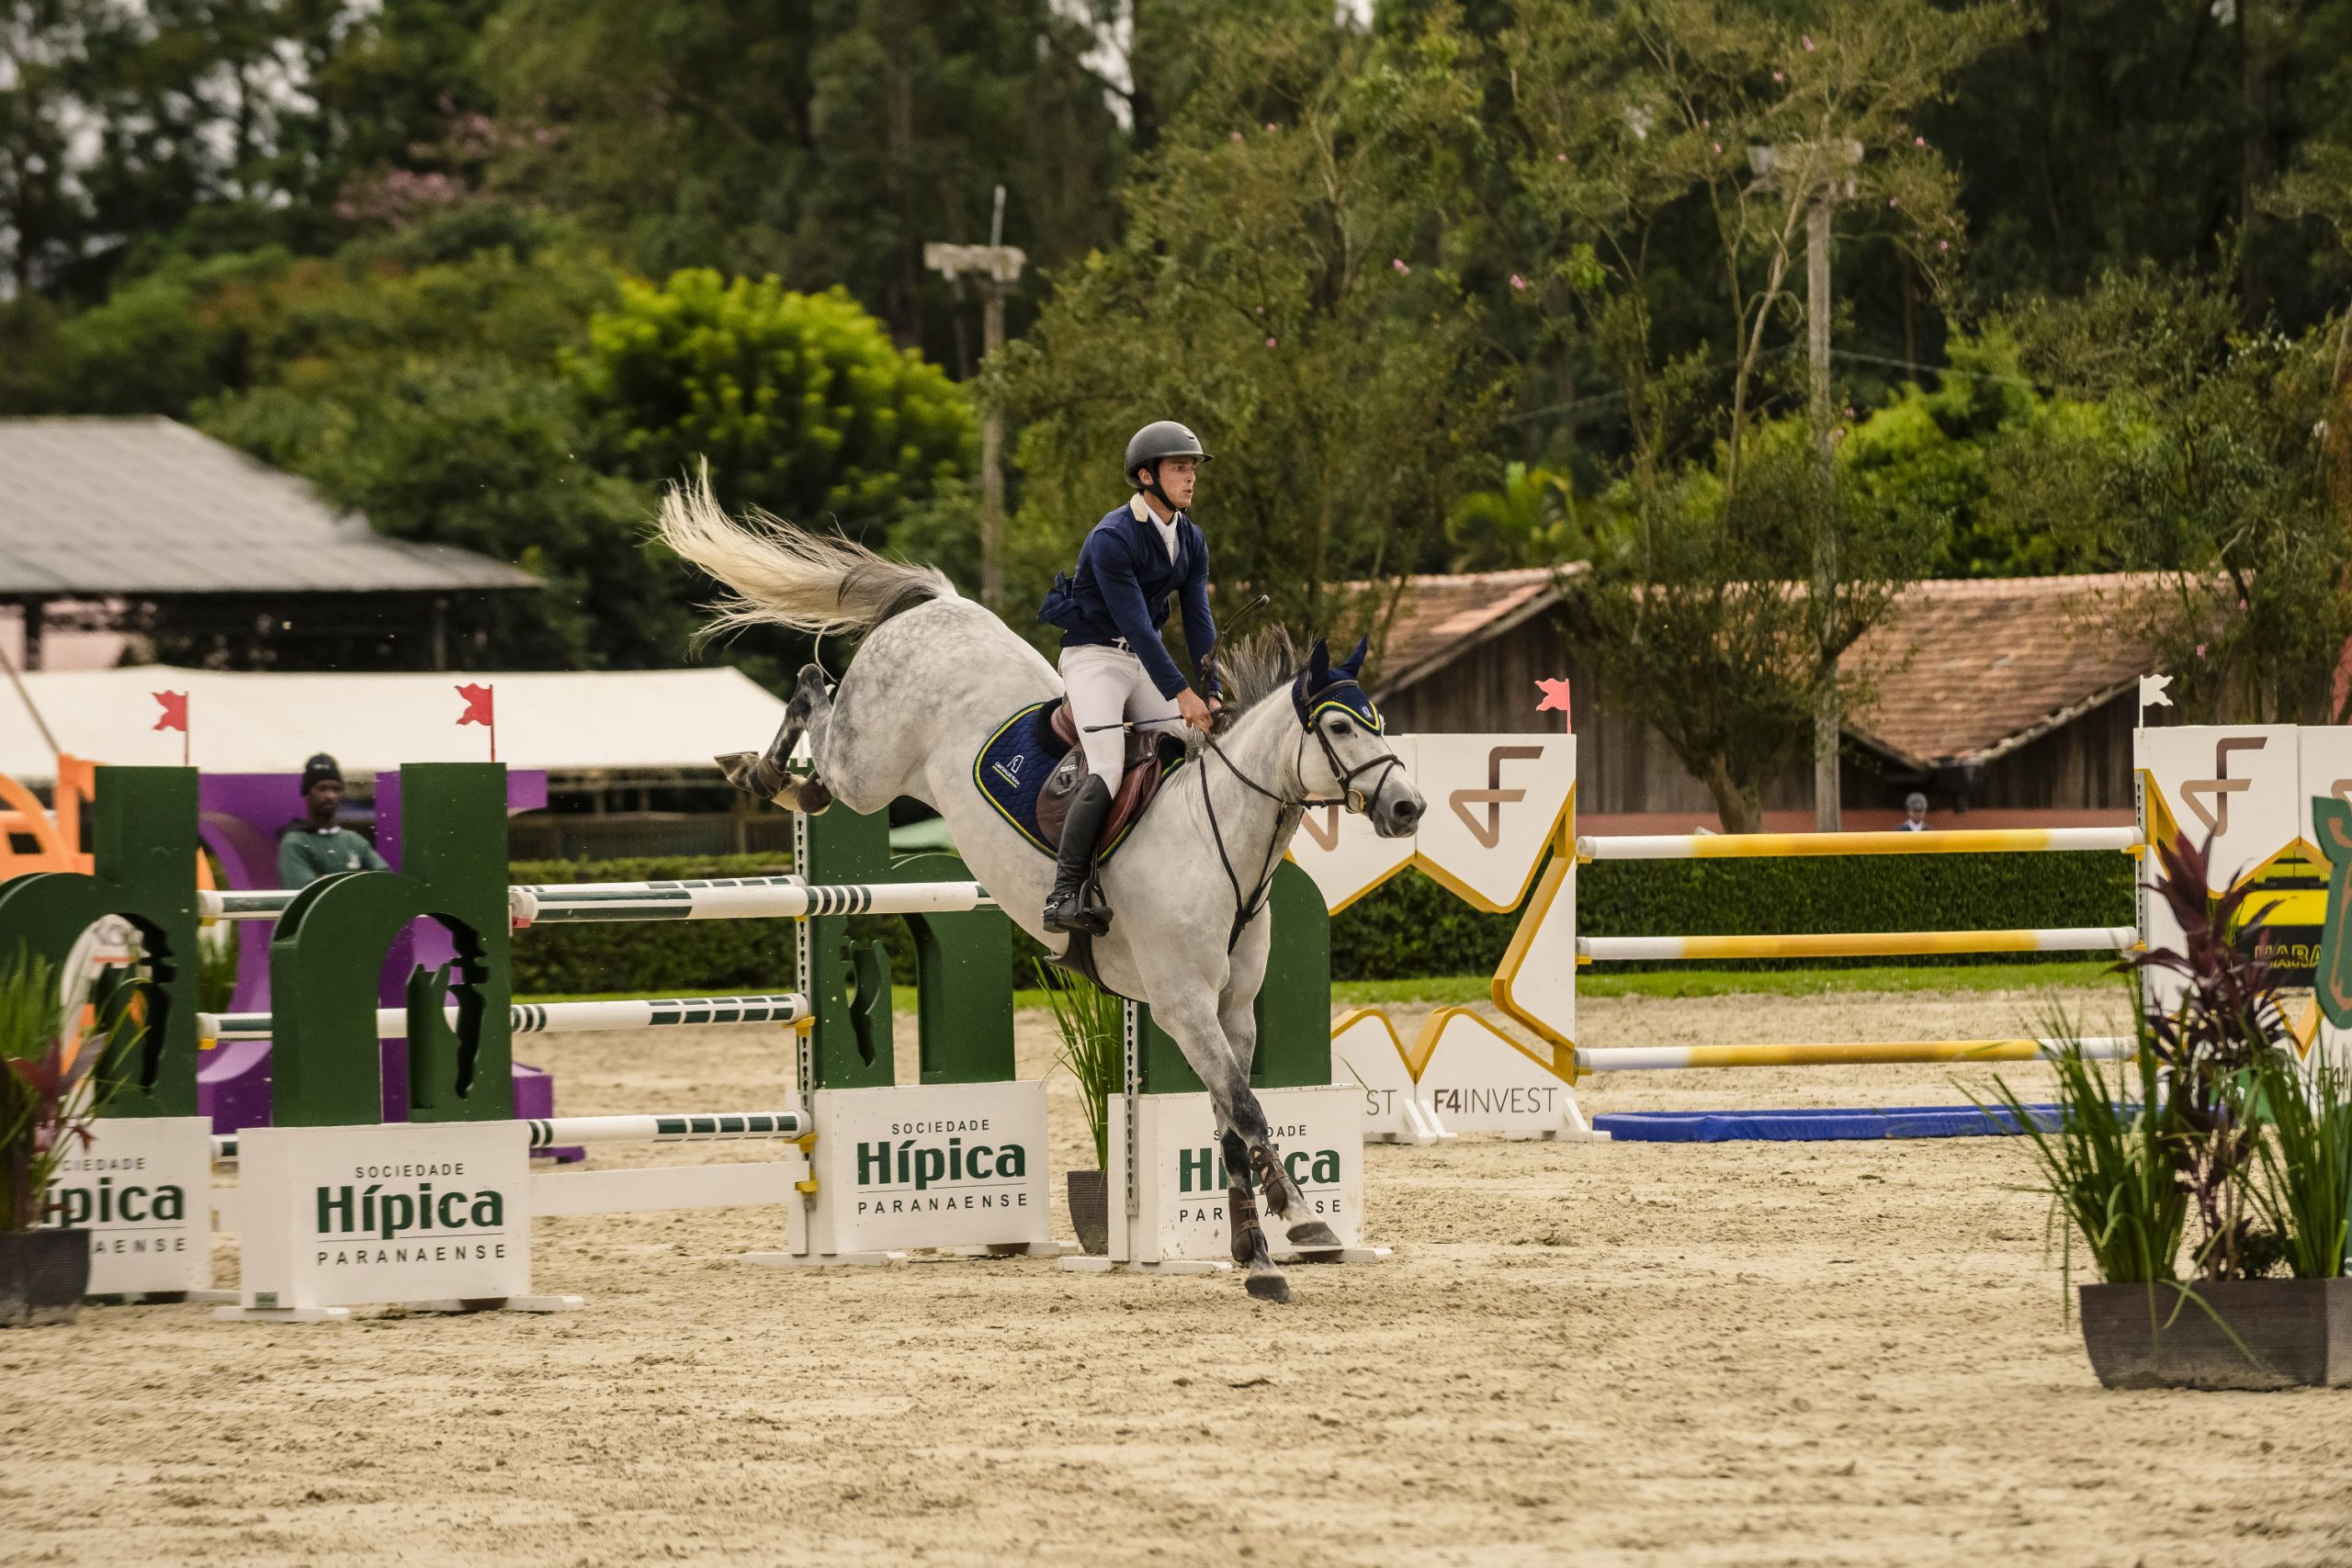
x=997, y=267
x=1819, y=174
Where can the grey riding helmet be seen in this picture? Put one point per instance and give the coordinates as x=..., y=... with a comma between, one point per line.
x=1160, y=438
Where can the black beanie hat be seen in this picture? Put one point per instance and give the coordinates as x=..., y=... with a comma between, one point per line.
x=318, y=770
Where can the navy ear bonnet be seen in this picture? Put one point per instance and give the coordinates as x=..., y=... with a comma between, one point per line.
x=1324, y=685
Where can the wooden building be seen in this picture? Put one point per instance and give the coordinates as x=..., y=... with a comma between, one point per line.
x=2007, y=701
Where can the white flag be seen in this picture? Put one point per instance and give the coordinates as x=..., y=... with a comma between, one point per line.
x=2152, y=691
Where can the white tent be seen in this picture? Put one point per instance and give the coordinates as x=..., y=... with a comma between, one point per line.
x=632, y=721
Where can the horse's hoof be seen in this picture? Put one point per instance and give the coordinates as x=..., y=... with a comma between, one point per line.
x=1314, y=1236
x=1270, y=1288
x=738, y=767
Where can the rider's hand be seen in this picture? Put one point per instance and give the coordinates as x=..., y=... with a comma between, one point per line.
x=1193, y=711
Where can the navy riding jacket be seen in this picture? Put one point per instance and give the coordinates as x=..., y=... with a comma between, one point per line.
x=1121, y=589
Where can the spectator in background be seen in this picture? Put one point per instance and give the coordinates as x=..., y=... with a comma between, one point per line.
x=1914, y=813
x=313, y=846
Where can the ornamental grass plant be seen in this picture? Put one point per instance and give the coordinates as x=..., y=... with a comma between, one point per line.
x=2107, y=1162
x=1091, y=1022
x=2303, y=1192
x=2215, y=1120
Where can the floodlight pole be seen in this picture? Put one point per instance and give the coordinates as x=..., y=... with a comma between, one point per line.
x=1819, y=173
x=997, y=267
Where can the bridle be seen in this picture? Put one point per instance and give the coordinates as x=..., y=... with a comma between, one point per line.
x=1288, y=809
x=1356, y=800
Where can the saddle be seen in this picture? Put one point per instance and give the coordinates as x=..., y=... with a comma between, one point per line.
x=1148, y=761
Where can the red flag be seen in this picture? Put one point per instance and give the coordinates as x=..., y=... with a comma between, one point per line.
x=478, y=706
x=175, y=717
x=479, y=709
x=1555, y=698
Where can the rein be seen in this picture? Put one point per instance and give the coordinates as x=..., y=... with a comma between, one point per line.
x=1287, y=813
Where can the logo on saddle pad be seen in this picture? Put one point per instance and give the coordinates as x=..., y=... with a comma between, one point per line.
x=1010, y=768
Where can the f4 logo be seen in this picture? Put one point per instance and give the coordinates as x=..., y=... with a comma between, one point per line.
x=2195, y=793
x=1494, y=798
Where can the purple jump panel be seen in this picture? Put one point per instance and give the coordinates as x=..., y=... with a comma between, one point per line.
x=241, y=815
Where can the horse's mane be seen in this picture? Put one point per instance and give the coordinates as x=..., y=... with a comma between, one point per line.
x=1257, y=665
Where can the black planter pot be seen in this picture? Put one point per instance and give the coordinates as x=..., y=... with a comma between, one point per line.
x=43, y=1275
x=2269, y=1334
x=1089, y=1209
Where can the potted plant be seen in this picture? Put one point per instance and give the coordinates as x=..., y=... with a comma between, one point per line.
x=53, y=1088
x=2216, y=1122
x=1092, y=1025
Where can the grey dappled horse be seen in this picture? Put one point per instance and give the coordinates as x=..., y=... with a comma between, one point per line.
x=934, y=677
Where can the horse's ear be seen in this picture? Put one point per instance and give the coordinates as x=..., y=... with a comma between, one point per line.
x=1319, y=666
x=1352, y=665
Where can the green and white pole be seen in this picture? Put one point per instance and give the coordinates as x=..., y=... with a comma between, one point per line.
x=564, y=1017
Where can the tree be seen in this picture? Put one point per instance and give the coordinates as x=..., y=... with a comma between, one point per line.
x=1279, y=289
x=2208, y=468
x=799, y=402
x=2118, y=131
x=430, y=398
x=1939, y=452
x=824, y=144
x=1530, y=521
x=42, y=214
x=1639, y=119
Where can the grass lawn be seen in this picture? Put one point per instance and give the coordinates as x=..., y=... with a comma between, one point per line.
x=1439, y=990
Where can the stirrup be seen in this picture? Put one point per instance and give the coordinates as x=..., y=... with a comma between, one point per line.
x=1091, y=915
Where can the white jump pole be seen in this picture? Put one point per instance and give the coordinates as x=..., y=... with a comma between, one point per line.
x=563, y=1018
x=740, y=898
x=679, y=1127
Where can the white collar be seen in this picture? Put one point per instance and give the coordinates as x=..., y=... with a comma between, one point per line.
x=1144, y=513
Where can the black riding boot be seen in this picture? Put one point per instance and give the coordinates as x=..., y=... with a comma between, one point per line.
x=1066, y=909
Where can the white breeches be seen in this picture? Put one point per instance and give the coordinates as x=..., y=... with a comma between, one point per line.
x=1108, y=685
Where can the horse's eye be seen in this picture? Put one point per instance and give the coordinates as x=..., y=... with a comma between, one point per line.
x=1341, y=727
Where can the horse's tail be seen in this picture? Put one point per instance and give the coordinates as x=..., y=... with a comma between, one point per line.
x=780, y=574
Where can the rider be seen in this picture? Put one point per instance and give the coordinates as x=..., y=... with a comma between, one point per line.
x=1115, y=667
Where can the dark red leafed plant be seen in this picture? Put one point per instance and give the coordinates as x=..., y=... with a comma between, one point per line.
x=2211, y=1045
x=54, y=1083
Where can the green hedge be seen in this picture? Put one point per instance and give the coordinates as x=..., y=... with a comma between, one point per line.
x=1406, y=928
x=659, y=957
x=1411, y=927
x=652, y=957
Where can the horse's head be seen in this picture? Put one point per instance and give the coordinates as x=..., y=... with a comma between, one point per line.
x=1350, y=762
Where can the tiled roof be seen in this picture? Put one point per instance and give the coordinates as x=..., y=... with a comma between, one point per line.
x=1960, y=671
x=1966, y=669
x=136, y=508
x=1438, y=616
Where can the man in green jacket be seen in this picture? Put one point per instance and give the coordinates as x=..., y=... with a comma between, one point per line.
x=313, y=846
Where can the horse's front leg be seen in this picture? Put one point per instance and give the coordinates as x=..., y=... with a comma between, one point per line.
x=1238, y=1015
x=1191, y=1020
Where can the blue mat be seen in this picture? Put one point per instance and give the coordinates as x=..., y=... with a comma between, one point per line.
x=1011, y=769
x=1816, y=1126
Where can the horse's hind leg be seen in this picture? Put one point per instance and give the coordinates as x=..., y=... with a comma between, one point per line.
x=765, y=775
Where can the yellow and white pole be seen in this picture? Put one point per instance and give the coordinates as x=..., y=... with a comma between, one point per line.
x=1872, y=1053
x=1858, y=944
x=1775, y=846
